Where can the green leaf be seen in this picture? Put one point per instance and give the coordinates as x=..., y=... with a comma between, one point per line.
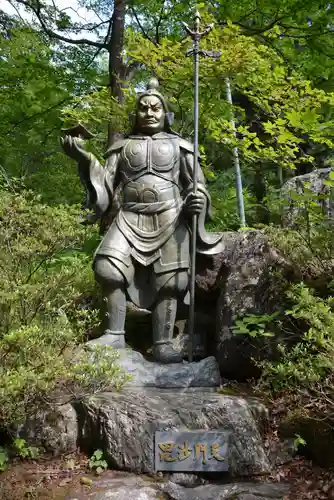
x=98, y=454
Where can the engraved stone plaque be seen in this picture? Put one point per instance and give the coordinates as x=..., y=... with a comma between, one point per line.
x=191, y=451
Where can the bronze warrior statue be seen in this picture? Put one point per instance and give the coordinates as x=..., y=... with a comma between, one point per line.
x=144, y=256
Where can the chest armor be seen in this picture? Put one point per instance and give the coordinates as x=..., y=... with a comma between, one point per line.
x=158, y=155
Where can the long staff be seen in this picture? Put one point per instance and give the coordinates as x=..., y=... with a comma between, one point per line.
x=196, y=36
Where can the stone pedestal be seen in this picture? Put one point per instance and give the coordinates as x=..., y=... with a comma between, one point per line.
x=123, y=425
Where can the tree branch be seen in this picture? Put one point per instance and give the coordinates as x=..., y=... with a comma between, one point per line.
x=18, y=13
x=157, y=35
x=39, y=113
x=44, y=111
x=146, y=35
x=38, y=13
x=257, y=31
x=89, y=26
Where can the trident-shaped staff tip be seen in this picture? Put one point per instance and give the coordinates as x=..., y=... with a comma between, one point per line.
x=196, y=34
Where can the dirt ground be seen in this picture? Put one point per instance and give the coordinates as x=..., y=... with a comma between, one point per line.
x=45, y=478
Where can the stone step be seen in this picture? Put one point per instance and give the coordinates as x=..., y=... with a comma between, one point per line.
x=144, y=373
x=131, y=487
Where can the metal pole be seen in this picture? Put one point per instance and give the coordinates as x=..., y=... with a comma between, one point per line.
x=196, y=35
x=191, y=324
x=240, y=196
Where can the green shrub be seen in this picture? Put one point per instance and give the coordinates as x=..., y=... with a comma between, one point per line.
x=46, y=278
x=43, y=268
x=310, y=360
x=41, y=366
x=304, y=329
x=305, y=368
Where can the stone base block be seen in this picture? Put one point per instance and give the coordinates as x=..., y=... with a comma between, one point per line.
x=123, y=425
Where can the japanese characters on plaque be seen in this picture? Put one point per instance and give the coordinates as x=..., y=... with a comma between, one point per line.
x=191, y=451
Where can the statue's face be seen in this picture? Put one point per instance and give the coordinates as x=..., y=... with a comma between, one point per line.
x=150, y=115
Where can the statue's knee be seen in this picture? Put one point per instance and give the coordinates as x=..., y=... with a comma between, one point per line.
x=177, y=284
x=107, y=273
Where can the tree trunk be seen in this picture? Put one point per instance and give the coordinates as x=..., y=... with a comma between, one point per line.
x=116, y=69
x=116, y=72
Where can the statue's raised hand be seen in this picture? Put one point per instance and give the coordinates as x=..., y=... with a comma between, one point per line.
x=74, y=148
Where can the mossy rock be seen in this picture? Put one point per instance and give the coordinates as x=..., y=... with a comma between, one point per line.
x=239, y=389
x=317, y=432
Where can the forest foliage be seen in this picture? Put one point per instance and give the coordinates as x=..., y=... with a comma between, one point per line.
x=57, y=69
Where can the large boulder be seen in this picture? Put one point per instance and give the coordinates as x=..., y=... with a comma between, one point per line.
x=241, y=280
x=53, y=430
x=123, y=425
x=316, y=181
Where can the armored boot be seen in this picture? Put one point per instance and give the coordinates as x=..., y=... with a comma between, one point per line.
x=113, y=336
x=163, y=320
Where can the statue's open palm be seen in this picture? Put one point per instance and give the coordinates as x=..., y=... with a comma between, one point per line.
x=73, y=147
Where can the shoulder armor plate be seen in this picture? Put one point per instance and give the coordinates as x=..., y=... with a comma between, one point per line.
x=116, y=146
x=186, y=145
